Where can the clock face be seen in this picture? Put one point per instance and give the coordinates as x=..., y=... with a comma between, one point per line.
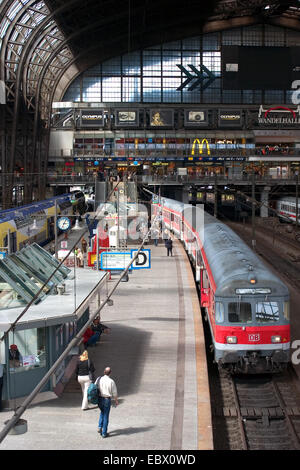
x=64, y=223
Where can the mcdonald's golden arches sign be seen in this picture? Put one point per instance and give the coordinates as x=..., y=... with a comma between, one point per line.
x=200, y=146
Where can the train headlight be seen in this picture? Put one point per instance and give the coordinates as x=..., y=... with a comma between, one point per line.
x=276, y=339
x=231, y=339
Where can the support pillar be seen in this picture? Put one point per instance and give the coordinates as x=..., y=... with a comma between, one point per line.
x=185, y=195
x=101, y=193
x=253, y=211
x=264, y=199
x=216, y=198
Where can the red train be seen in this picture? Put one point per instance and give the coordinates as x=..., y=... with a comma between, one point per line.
x=246, y=305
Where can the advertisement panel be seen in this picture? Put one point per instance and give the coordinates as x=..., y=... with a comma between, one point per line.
x=161, y=118
x=195, y=118
x=91, y=118
x=124, y=117
x=230, y=118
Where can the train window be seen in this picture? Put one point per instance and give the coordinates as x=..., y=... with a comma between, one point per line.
x=239, y=312
x=286, y=310
x=267, y=312
x=205, y=283
x=220, y=312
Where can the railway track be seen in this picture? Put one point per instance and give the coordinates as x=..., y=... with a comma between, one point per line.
x=256, y=412
x=276, y=234
x=276, y=257
x=259, y=412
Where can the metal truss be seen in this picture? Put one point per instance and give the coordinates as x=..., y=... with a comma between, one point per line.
x=38, y=45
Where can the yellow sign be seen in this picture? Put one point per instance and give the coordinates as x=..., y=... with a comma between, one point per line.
x=200, y=146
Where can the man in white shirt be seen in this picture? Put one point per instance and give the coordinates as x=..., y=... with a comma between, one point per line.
x=107, y=390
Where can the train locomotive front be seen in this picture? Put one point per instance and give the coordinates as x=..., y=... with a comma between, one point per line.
x=246, y=305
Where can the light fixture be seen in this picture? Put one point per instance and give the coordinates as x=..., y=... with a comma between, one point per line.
x=276, y=339
x=34, y=225
x=77, y=226
x=231, y=339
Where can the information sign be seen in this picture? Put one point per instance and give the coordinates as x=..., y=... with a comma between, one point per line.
x=115, y=260
x=143, y=261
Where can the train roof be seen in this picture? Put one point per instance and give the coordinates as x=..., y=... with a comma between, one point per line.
x=231, y=261
x=28, y=209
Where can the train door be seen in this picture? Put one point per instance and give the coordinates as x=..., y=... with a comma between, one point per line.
x=205, y=289
x=50, y=227
x=171, y=221
x=181, y=229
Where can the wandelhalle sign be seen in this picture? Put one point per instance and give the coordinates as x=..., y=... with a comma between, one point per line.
x=282, y=115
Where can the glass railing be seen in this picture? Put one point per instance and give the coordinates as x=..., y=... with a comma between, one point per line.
x=23, y=274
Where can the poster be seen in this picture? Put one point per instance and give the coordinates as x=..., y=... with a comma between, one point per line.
x=161, y=118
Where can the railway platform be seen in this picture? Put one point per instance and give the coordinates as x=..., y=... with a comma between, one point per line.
x=156, y=351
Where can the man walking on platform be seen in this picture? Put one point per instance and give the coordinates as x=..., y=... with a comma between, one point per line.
x=107, y=390
x=169, y=246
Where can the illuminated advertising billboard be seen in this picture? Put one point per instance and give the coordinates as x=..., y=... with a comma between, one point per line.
x=195, y=118
x=92, y=118
x=230, y=118
x=124, y=117
x=161, y=118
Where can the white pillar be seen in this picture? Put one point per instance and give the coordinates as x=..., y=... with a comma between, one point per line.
x=264, y=198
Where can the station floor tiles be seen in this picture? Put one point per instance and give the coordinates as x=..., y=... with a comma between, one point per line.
x=156, y=353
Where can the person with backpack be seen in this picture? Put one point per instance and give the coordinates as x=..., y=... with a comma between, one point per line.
x=85, y=375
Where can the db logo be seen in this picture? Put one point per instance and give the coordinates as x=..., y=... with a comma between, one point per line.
x=254, y=337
